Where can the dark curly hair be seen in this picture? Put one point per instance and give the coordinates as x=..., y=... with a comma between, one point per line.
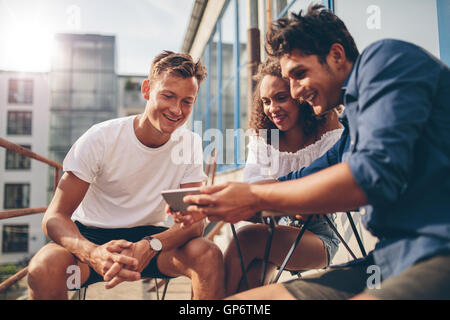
x=312, y=33
x=258, y=120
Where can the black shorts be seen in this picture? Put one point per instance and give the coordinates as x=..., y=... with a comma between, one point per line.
x=101, y=236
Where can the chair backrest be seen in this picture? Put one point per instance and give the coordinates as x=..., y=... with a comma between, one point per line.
x=211, y=167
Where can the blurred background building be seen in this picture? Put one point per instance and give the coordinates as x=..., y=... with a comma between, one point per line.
x=24, y=120
x=83, y=89
x=129, y=97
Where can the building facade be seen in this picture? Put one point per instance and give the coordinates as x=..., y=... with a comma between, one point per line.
x=83, y=89
x=130, y=100
x=24, y=114
x=221, y=33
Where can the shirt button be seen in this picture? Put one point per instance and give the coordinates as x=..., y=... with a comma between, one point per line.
x=352, y=143
x=362, y=211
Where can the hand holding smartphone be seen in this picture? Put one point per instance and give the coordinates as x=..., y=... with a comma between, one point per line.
x=174, y=197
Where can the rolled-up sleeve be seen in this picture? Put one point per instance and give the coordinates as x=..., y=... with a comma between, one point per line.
x=394, y=88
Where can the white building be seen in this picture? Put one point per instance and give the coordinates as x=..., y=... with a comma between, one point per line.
x=24, y=114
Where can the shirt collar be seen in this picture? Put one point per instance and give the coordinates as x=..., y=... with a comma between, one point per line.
x=344, y=86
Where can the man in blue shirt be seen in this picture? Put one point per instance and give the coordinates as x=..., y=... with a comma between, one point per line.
x=392, y=161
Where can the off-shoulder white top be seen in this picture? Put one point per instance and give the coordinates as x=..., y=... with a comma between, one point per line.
x=265, y=162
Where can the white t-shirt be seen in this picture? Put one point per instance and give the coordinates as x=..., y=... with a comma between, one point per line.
x=126, y=177
x=264, y=162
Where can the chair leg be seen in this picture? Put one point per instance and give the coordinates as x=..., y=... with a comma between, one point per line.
x=84, y=293
x=291, y=251
x=81, y=293
x=355, y=231
x=271, y=230
x=165, y=289
x=339, y=236
x=244, y=272
x=156, y=289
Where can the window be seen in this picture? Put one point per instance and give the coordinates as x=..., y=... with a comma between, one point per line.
x=15, y=238
x=19, y=122
x=221, y=105
x=17, y=196
x=15, y=160
x=20, y=91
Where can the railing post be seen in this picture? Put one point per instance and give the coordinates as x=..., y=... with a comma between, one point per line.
x=13, y=279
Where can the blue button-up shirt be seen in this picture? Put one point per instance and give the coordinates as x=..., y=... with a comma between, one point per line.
x=397, y=144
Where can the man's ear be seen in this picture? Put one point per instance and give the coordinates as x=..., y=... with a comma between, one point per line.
x=337, y=55
x=145, y=89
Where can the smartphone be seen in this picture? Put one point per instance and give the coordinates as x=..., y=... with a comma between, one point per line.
x=175, y=197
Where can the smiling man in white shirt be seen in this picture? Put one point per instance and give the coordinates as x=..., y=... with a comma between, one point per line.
x=107, y=215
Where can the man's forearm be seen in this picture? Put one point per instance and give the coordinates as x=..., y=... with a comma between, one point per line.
x=331, y=190
x=176, y=236
x=64, y=232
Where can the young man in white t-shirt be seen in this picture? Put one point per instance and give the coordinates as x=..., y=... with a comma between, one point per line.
x=109, y=198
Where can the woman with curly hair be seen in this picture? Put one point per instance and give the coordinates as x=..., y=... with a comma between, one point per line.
x=287, y=136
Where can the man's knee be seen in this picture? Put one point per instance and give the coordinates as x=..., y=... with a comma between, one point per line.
x=204, y=253
x=49, y=265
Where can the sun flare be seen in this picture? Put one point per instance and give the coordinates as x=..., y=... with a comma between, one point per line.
x=28, y=47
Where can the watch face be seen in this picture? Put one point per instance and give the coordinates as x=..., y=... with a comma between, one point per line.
x=156, y=244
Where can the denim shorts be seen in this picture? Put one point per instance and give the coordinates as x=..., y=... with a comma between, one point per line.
x=321, y=229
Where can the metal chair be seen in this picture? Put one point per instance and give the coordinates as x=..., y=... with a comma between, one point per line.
x=269, y=220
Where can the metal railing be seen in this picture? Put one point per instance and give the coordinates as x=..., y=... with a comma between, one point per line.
x=6, y=214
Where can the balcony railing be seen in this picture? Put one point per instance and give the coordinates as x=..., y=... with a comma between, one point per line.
x=27, y=211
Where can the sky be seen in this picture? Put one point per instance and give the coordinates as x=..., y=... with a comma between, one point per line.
x=143, y=28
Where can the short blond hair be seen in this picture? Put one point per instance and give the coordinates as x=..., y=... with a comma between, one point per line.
x=181, y=64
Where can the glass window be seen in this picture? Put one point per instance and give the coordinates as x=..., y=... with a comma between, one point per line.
x=61, y=100
x=15, y=238
x=85, y=55
x=17, y=161
x=19, y=122
x=243, y=30
x=61, y=81
x=62, y=59
x=302, y=5
x=233, y=78
x=20, y=91
x=17, y=195
x=107, y=83
x=107, y=56
x=85, y=100
x=85, y=81
x=59, y=137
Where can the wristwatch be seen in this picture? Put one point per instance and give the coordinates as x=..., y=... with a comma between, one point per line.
x=155, y=243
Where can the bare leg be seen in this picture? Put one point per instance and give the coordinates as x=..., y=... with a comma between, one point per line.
x=200, y=260
x=47, y=277
x=254, y=273
x=309, y=254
